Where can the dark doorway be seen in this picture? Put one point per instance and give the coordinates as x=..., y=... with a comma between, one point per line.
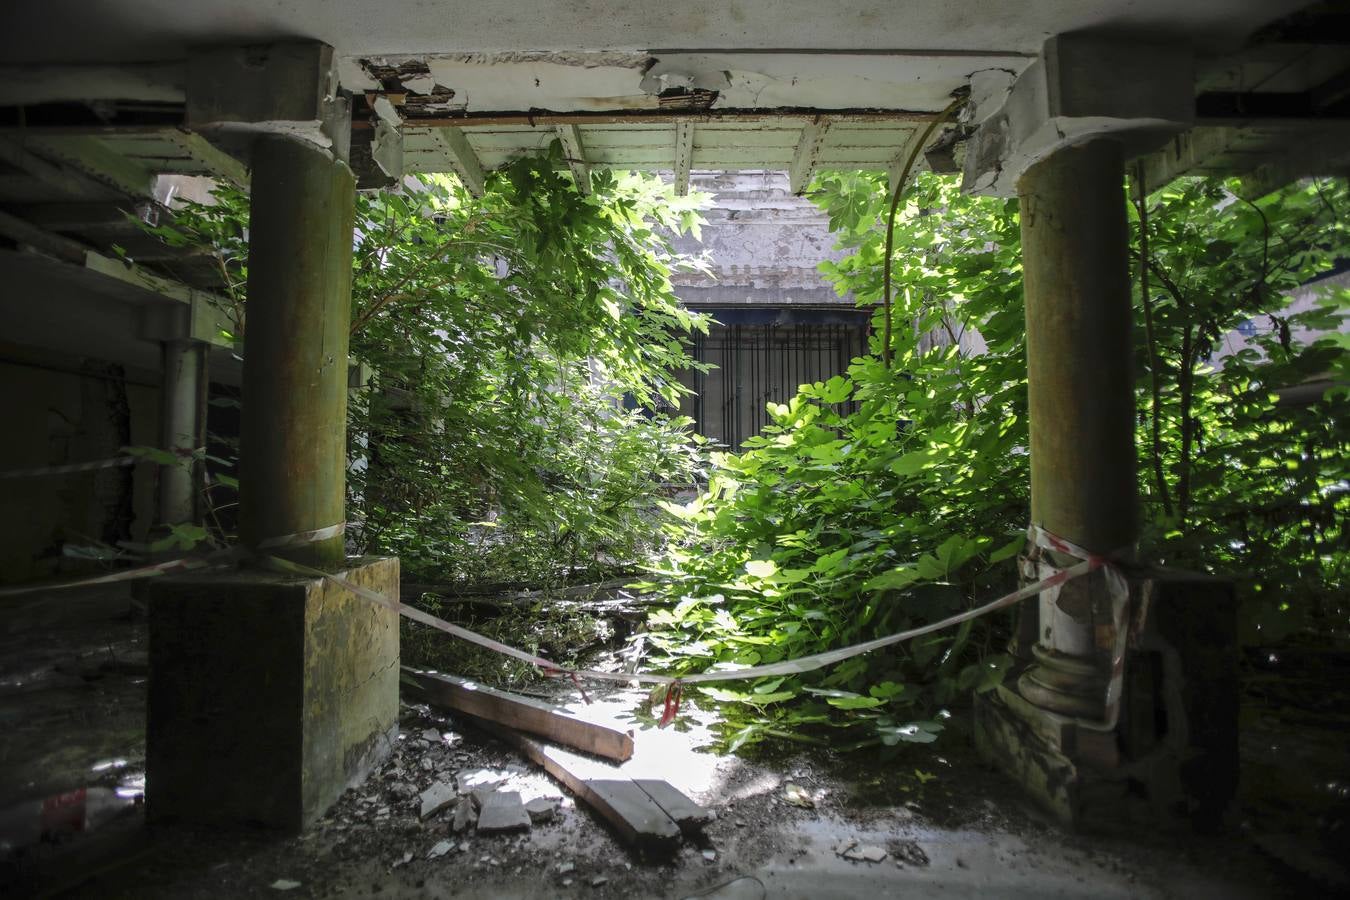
x=761, y=355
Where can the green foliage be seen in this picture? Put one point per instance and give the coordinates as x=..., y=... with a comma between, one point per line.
x=504, y=332
x=1234, y=480
x=831, y=528
x=512, y=339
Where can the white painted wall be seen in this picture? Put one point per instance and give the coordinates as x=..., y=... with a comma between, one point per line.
x=761, y=243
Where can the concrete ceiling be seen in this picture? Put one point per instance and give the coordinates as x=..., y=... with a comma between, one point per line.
x=66, y=31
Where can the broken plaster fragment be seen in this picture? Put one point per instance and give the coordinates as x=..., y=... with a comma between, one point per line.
x=865, y=853
x=465, y=816
x=436, y=798
x=542, y=809
x=797, y=796
x=440, y=849
x=502, y=811
x=284, y=884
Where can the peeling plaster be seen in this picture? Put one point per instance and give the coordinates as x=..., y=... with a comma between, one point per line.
x=577, y=81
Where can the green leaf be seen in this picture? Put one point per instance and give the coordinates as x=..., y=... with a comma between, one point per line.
x=761, y=568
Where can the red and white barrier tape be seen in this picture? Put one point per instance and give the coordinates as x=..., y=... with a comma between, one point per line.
x=218, y=558
x=674, y=684
x=1118, y=588
x=151, y=571
x=93, y=465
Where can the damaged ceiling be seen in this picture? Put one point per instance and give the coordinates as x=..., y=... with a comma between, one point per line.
x=703, y=85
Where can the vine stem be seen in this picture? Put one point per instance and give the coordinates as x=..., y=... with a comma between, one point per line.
x=890, y=224
x=1153, y=361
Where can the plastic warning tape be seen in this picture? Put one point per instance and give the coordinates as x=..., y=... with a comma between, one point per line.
x=71, y=467
x=174, y=565
x=1042, y=539
x=784, y=667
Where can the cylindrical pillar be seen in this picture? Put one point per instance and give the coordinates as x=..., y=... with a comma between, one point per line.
x=293, y=430
x=1075, y=260
x=184, y=423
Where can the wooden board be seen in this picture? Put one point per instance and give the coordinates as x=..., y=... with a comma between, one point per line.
x=637, y=818
x=524, y=714
x=683, y=811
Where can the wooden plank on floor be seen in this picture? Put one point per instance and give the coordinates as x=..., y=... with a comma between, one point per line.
x=634, y=815
x=523, y=713
x=685, y=812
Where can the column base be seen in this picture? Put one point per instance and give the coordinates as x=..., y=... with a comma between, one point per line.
x=269, y=695
x=1069, y=685
x=1172, y=758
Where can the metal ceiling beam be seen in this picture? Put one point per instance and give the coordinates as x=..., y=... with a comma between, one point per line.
x=575, y=151
x=684, y=156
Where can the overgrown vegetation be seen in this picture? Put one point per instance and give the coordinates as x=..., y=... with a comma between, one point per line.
x=830, y=528
x=514, y=341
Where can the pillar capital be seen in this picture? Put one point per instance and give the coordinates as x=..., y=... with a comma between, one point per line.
x=236, y=93
x=1082, y=87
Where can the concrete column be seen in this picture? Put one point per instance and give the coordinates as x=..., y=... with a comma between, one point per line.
x=293, y=431
x=1081, y=402
x=182, y=411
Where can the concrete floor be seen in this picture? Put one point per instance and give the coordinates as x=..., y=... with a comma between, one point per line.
x=72, y=704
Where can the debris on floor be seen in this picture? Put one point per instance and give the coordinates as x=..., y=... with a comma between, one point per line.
x=648, y=813
x=797, y=796
x=500, y=812
x=857, y=852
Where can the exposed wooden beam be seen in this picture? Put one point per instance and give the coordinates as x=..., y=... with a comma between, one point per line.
x=25, y=233
x=662, y=117
x=684, y=155
x=132, y=275
x=214, y=160
x=575, y=151
x=1320, y=155
x=807, y=155
x=121, y=279
x=463, y=159
x=1181, y=156
x=105, y=216
x=97, y=161
x=55, y=176
x=897, y=166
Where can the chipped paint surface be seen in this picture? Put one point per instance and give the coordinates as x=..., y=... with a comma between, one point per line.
x=567, y=82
